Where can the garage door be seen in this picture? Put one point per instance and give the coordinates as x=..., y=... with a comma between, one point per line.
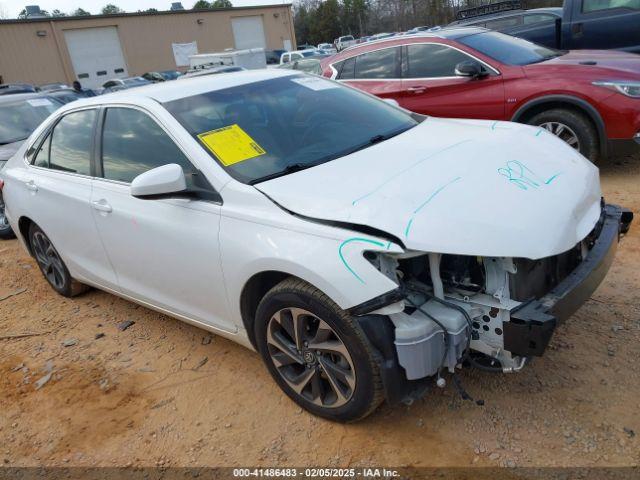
x=248, y=32
x=96, y=55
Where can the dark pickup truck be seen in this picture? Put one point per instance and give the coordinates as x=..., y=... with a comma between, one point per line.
x=578, y=24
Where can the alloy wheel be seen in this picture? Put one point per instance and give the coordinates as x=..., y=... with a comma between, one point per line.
x=4, y=221
x=310, y=357
x=564, y=132
x=49, y=260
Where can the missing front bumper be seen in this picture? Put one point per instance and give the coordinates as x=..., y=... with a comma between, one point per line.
x=532, y=324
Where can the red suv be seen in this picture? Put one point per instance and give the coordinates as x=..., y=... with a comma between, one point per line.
x=589, y=98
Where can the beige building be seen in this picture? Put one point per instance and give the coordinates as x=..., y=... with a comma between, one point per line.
x=97, y=48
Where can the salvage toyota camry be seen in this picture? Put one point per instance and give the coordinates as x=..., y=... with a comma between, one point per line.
x=362, y=250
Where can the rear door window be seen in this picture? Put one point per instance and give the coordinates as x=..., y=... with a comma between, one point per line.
x=589, y=6
x=133, y=143
x=347, y=70
x=68, y=148
x=500, y=23
x=432, y=61
x=535, y=18
x=382, y=64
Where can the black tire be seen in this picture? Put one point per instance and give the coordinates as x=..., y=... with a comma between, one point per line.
x=6, y=232
x=51, y=264
x=581, y=125
x=366, y=394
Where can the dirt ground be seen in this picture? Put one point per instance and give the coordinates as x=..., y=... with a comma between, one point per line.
x=165, y=393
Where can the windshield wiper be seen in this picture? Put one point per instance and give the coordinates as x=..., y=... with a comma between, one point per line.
x=294, y=167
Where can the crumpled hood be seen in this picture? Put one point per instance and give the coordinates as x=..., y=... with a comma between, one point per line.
x=7, y=151
x=468, y=187
x=610, y=59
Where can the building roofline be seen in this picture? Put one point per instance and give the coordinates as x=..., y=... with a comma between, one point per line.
x=140, y=14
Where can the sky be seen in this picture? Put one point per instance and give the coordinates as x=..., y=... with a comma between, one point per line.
x=11, y=8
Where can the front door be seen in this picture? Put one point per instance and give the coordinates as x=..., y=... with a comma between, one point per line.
x=165, y=251
x=430, y=85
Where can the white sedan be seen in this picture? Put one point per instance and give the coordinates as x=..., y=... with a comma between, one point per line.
x=362, y=250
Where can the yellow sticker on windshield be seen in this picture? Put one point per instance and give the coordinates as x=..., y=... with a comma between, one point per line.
x=231, y=144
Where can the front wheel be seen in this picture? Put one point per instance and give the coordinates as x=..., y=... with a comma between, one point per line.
x=574, y=128
x=317, y=353
x=5, y=229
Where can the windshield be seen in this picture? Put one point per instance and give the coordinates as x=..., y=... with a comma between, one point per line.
x=20, y=118
x=507, y=49
x=277, y=126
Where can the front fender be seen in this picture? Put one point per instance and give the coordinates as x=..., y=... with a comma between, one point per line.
x=329, y=258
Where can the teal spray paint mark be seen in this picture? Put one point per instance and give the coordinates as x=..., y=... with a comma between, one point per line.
x=426, y=202
x=406, y=230
x=379, y=187
x=539, y=132
x=493, y=127
x=552, y=178
x=357, y=239
x=523, y=177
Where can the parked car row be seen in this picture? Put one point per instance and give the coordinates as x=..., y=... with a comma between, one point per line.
x=363, y=250
x=578, y=24
x=590, y=99
x=20, y=115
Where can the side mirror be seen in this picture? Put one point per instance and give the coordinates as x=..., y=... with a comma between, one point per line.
x=470, y=69
x=391, y=101
x=163, y=180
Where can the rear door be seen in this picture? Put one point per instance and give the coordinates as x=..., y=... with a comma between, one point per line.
x=376, y=72
x=430, y=85
x=164, y=251
x=58, y=186
x=604, y=24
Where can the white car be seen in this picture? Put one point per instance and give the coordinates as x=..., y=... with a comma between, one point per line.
x=345, y=41
x=327, y=48
x=292, y=56
x=361, y=249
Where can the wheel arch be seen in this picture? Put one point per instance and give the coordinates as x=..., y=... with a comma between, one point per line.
x=24, y=224
x=253, y=292
x=537, y=105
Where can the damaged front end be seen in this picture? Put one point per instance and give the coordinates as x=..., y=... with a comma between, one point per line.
x=491, y=312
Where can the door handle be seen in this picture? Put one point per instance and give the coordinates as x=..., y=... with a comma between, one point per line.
x=416, y=89
x=31, y=186
x=577, y=30
x=102, y=206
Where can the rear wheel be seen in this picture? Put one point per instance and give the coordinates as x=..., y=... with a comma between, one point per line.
x=317, y=353
x=51, y=265
x=572, y=127
x=5, y=229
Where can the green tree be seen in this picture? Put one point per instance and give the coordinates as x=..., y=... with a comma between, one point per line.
x=111, y=9
x=23, y=13
x=221, y=4
x=201, y=5
x=80, y=13
x=58, y=13
x=149, y=10
x=326, y=26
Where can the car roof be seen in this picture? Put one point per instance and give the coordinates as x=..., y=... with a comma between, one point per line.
x=447, y=33
x=168, y=91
